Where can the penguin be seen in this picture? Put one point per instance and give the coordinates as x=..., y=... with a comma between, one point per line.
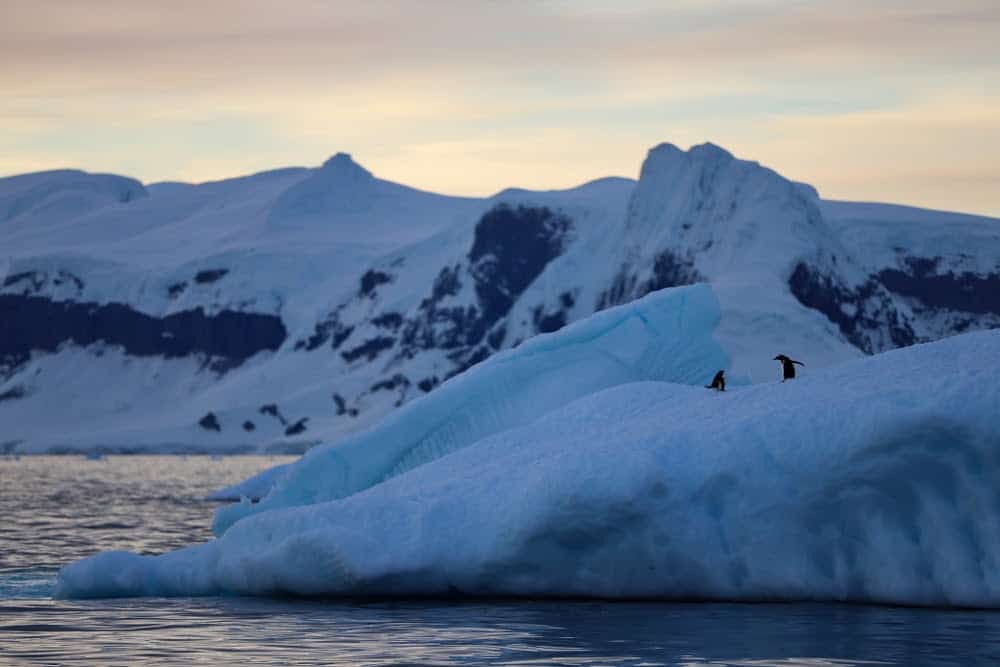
x=718, y=382
x=787, y=367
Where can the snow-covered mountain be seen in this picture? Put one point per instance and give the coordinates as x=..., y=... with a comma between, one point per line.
x=290, y=307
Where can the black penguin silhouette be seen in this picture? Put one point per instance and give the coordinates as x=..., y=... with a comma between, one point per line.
x=718, y=382
x=787, y=367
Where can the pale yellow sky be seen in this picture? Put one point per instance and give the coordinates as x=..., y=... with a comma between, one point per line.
x=888, y=101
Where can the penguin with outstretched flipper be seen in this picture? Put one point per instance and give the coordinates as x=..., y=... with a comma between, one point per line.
x=787, y=367
x=718, y=382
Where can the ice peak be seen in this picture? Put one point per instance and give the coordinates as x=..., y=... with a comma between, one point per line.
x=342, y=165
x=710, y=151
x=707, y=204
x=700, y=152
x=341, y=185
x=664, y=150
x=668, y=158
x=339, y=159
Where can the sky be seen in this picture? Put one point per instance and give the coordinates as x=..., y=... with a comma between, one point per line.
x=895, y=101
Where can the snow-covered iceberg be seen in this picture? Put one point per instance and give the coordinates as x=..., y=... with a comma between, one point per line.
x=666, y=336
x=875, y=480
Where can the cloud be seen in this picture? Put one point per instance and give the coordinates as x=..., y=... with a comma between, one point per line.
x=447, y=94
x=233, y=43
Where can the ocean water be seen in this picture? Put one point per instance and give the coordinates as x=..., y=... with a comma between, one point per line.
x=57, y=509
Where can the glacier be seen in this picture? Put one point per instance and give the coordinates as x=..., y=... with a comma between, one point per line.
x=874, y=480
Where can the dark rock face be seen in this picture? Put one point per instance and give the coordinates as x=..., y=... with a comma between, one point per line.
x=210, y=422
x=438, y=325
x=966, y=292
x=174, y=290
x=395, y=382
x=209, y=275
x=427, y=384
x=325, y=330
x=372, y=279
x=342, y=408
x=13, y=393
x=388, y=321
x=24, y=275
x=497, y=337
x=866, y=315
x=29, y=283
x=464, y=312
x=368, y=349
x=510, y=249
x=37, y=323
x=398, y=383
x=669, y=270
x=871, y=315
x=298, y=427
x=273, y=410
x=547, y=323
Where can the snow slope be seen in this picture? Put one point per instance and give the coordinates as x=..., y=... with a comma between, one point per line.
x=34, y=199
x=299, y=306
x=875, y=480
x=665, y=336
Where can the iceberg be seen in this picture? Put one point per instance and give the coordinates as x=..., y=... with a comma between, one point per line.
x=877, y=480
x=664, y=336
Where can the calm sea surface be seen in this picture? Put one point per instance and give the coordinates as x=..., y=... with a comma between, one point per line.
x=56, y=509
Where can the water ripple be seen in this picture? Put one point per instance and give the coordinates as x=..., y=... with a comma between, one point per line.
x=291, y=632
x=58, y=509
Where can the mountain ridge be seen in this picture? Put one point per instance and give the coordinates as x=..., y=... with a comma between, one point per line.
x=383, y=292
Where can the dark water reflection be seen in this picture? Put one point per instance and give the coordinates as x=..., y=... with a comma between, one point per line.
x=234, y=630
x=56, y=509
